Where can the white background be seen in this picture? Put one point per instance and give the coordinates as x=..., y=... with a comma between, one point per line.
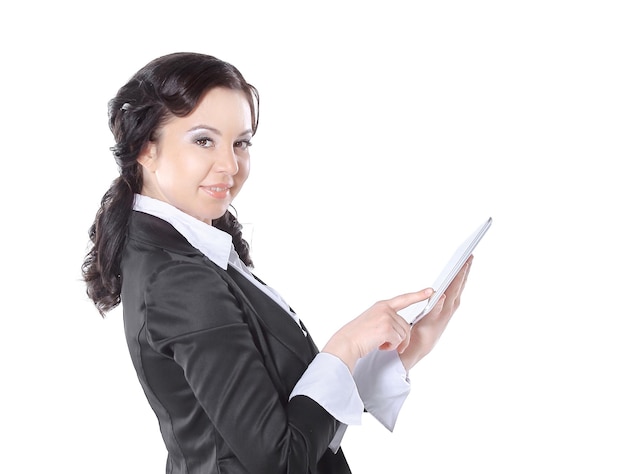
x=389, y=130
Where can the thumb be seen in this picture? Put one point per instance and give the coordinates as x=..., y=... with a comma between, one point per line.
x=402, y=301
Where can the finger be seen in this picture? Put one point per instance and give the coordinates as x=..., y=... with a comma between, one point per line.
x=400, y=332
x=469, y=267
x=406, y=330
x=402, y=301
x=399, y=325
x=440, y=305
x=464, y=280
x=405, y=343
x=457, y=285
x=434, y=313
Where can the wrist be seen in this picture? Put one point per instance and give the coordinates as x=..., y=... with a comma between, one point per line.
x=409, y=361
x=344, y=350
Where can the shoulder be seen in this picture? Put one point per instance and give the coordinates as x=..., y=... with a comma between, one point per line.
x=183, y=297
x=153, y=246
x=149, y=231
x=170, y=284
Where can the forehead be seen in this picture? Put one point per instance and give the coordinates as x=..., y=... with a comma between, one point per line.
x=227, y=106
x=220, y=108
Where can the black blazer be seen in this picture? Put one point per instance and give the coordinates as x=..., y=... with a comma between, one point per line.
x=217, y=360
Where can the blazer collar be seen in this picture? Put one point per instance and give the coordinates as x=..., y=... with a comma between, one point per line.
x=155, y=231
x=212, y=242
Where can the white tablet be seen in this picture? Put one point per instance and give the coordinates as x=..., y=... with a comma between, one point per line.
x=417, y=311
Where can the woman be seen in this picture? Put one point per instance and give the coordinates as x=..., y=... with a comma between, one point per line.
x=234, y=378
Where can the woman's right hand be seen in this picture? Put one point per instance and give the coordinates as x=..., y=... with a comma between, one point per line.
x=380, y=327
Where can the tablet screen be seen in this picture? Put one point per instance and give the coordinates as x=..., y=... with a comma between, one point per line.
x=417, y=311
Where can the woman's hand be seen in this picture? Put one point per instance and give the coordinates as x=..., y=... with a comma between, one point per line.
x=380, y=327
x=426, y=333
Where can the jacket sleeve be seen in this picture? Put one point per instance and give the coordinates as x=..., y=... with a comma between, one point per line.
x=193, y=317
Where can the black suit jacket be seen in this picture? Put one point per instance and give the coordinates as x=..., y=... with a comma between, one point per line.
x=217, y=360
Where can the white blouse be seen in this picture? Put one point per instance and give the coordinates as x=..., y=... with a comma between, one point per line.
x=379, y=383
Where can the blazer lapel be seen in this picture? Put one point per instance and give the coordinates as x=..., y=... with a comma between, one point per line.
x=275, y=319
x=270, y=315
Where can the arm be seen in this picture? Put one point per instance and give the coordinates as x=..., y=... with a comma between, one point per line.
x=193, y=318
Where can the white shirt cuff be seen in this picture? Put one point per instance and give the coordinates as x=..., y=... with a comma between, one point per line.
x=383, y=385
x=329, y=382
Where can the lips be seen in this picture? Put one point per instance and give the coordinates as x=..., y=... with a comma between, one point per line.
x=217, y=191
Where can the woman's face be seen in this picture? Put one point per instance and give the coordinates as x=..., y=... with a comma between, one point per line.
x=199, y=163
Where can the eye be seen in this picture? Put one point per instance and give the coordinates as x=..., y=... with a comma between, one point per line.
x=204, y=142
x=243, y=144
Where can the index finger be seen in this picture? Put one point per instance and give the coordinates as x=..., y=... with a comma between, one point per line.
x=402, y=301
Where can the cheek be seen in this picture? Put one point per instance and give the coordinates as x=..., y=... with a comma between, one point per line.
x=186, y=167
x=169, y=174
x=244, y=170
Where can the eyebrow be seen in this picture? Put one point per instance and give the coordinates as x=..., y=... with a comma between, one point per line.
x=215, y=130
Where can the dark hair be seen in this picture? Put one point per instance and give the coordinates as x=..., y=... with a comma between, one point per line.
x=170, y=85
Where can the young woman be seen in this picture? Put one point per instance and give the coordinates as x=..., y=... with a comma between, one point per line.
x=233, y=376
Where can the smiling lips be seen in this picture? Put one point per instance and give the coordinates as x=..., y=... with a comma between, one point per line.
x=217, y=191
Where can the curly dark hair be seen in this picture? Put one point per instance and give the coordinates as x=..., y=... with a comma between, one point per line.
x=170, y=85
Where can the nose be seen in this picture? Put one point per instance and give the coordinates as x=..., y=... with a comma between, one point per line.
x=227, y=162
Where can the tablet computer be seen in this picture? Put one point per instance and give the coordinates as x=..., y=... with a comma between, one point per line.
x=417, y=311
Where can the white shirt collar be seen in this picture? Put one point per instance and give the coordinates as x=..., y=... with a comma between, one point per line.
x=212, y=242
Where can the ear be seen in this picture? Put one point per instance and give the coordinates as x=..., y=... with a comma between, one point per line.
x=147, y=157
